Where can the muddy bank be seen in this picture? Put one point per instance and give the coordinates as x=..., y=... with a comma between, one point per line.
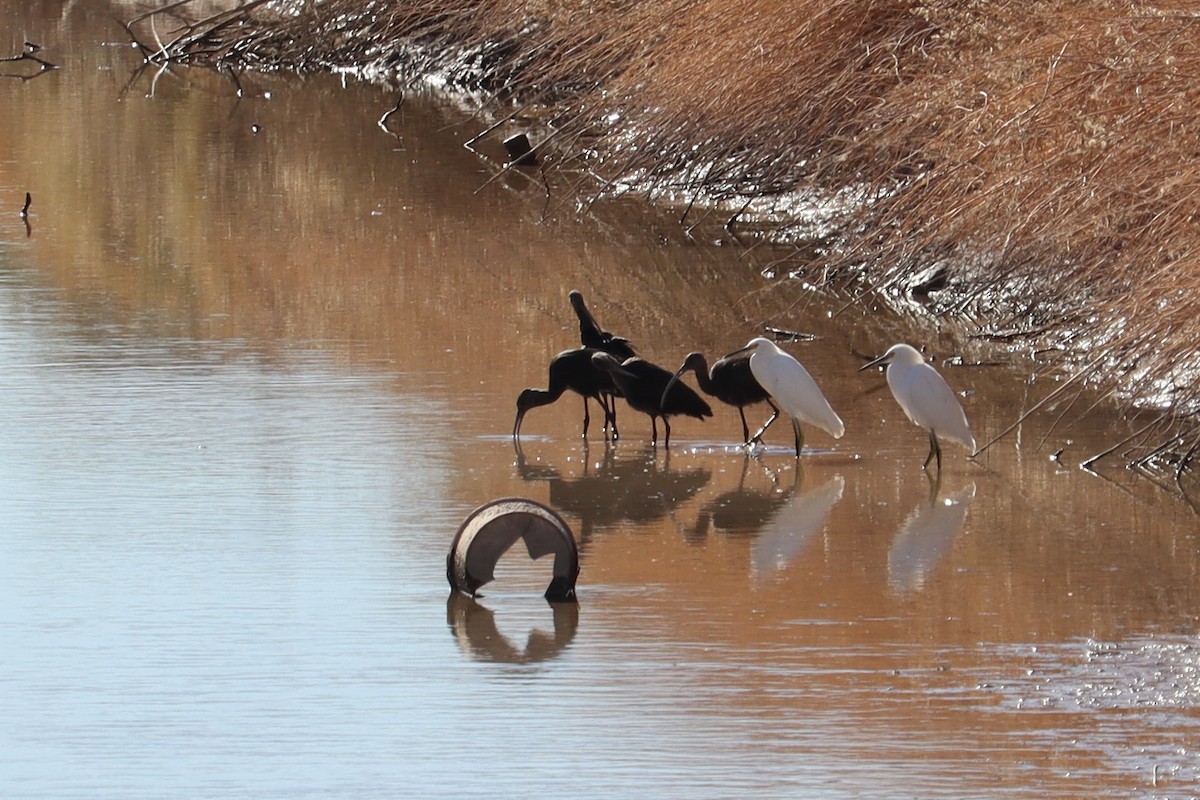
x=1026, y=174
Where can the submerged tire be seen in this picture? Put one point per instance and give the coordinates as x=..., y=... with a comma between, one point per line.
x=490, y=530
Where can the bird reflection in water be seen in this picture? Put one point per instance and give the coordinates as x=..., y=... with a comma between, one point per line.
x=634, y=487
x=925, y=538
x=474, y=627
x=744, y=510
x=793, y=525
x=780, y=517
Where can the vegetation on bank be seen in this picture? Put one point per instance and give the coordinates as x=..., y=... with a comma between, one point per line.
x=1041, y=161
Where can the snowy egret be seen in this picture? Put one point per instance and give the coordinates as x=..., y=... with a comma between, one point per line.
x=791, y=387
x=926, y=398
x=643, y=385
x=572, y=370
x=592, y=335
x=731, y=381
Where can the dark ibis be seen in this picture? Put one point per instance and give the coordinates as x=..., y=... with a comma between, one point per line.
x=592, y=335
x=575, y=371
x=732, y=382
x=792, y=388
x=643, y=385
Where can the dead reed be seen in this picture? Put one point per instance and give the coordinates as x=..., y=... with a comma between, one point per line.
x=1045, y=157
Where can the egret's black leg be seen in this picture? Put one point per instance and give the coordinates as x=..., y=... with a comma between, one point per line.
x=587, y=419
x=935, y=486
x=935, y=449
x=774, y=415
x=799, y=435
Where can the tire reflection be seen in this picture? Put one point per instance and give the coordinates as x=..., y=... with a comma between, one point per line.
x=474, y=627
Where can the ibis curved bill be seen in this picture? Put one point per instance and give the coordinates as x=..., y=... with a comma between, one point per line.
x=572, y=370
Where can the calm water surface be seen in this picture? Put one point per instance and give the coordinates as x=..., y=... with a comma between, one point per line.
x=259, y=358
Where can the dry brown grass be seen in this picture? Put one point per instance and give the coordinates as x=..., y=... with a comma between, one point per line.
x=1047, y=155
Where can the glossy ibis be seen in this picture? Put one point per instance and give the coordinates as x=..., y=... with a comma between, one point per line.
x=732, y=382
x=572, y=370
x=592, y=335
x=643, y=386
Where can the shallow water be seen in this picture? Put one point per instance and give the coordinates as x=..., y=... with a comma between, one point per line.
x=259, y=358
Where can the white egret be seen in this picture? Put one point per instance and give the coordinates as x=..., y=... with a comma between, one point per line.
x=791, y=387
x=926, y=399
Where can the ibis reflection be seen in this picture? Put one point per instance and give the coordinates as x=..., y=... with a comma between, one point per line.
x=746, y=509
x=779, y=515
x=633, y=487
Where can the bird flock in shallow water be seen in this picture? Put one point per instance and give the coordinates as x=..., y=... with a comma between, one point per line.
x=606, y=367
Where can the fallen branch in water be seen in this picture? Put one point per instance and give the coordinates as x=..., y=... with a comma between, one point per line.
x=387, y=115
x=44, y=66
x=790, y=336
x=1029, y=412
x=25, y=214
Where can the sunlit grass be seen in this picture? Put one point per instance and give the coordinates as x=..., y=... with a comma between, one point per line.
x=1043, y=156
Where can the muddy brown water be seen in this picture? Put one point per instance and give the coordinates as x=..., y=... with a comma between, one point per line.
x=259, y=358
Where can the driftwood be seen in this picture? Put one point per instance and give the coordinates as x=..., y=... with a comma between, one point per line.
x=28, y=54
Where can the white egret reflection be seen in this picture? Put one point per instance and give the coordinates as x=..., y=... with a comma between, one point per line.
x=925, y=537
x=793, y=525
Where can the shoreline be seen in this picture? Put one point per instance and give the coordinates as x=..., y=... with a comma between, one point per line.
x=1029, y=173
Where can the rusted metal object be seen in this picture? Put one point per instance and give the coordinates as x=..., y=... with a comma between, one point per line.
x=490, y=530
x=520, y=151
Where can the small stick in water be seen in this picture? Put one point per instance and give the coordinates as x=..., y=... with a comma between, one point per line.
x=25, y=208
x=794, y=336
